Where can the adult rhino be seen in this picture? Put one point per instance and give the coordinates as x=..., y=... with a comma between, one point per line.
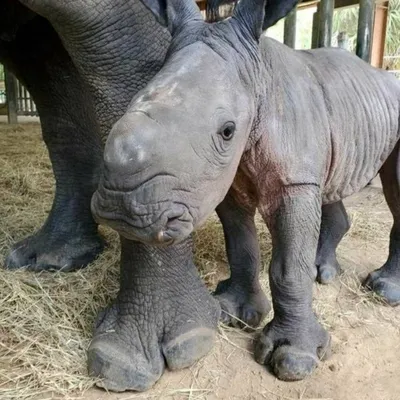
x=288, y=132
x=83, y=61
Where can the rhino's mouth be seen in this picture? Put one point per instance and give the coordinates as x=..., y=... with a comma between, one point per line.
x=163, y=224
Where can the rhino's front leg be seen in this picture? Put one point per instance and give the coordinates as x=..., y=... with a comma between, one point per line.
x=163, y=316
x=68, y=239
x=294, y=340
x=241, y=296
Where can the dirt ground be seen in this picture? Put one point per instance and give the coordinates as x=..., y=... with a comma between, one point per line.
x=45, y=319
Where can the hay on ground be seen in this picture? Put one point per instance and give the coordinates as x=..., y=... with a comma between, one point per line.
x=46, y=319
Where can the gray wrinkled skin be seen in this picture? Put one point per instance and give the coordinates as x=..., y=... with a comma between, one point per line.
x=251, y=123
x=82, y=70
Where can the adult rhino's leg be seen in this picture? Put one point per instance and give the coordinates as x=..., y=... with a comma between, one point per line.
x=241, y=296
x=69, y=238
x=385, y=281
x=163, y=316
x=334, y=225
x=294, y=340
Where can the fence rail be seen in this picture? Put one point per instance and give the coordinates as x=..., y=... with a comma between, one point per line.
x=18, y=99
x=25, y=103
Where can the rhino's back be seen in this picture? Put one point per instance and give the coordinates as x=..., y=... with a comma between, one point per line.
x=361, y=115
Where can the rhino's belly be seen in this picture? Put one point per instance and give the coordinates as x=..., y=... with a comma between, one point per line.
x=356, y=163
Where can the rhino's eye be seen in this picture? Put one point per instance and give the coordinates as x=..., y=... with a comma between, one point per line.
x=228, y=130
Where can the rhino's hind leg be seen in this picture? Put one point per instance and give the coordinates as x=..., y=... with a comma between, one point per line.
x=334, y=225
x=241, y=296
x=386, y=280
x=163, y=317
x=69, y=238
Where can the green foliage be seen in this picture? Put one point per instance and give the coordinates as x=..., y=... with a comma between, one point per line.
x=346, y=20
x=1, y=72
x=392, y=47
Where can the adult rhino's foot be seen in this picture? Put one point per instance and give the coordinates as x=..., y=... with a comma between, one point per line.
x=385, y=282
x=163, y=317
x=292, y=351
x=49, y=251
x=240, y=306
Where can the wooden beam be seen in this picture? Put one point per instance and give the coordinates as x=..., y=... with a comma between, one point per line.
x=345, y=3
x=289, y=33
x=379, y=34
x=343, y=40
x=202, y=4
x=11, y=96
x=303, y=4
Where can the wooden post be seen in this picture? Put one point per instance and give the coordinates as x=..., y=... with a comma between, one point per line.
x=365, y=27
x=11, y=96
x=289, y=35
x=379, y=35
x=326, y=9
x=343, y=40
x=315, y=29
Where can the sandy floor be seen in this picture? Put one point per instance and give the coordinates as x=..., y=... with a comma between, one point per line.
x=366, y=337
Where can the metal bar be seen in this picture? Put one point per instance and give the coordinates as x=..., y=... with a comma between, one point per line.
x=26, y=99
x=20, y=95
x=32, y=106
x=11, y=96
x=365, y=27
x=326, y=9
x=315, y=29
x=289, y=35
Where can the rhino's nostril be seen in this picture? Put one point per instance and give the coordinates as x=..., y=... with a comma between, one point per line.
x=162, y=238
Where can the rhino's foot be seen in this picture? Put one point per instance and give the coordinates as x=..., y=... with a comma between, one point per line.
x=241, y=307
x=327, y=269
x=291, y=351
x=164, y=316
x=385, y=284
x=43, y=251
x=130, y=349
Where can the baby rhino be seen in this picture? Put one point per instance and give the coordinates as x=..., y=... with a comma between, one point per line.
x=238, y=122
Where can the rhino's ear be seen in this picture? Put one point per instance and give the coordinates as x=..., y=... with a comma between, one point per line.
x=258, y=15
x=276, y=10
x=250, y=16
x=173, y=13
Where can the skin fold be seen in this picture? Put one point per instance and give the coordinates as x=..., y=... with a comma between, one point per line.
x=237, y=121
x=83, y=61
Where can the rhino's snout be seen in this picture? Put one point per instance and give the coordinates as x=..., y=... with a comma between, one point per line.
x=160, y=224
x=137, y=196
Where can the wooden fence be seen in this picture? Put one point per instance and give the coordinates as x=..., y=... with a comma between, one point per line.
x=25, y=103
x=18, y=100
